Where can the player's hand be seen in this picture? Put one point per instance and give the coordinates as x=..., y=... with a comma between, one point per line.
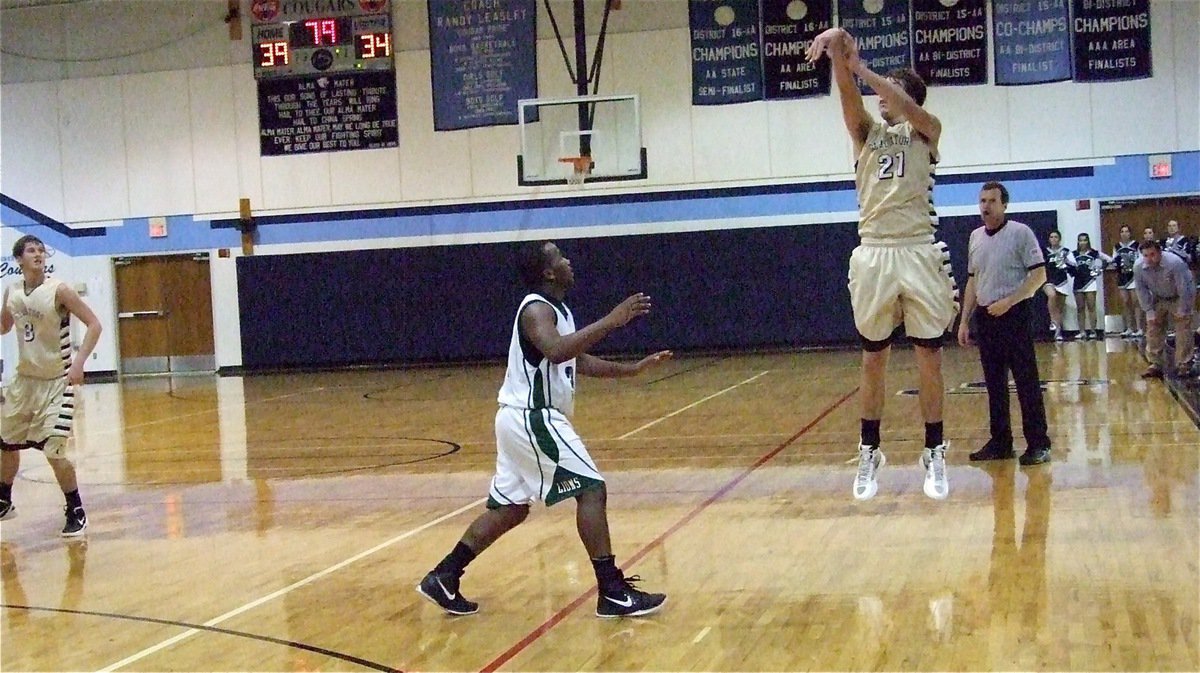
x=75, y=373
x=964, y=334
x=999, y=307
x=636, y=305
x=821, y=44
x=653, y=360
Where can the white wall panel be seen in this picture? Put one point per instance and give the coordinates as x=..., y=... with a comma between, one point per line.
x=299, y=181
x=245, y=107
x=808, y=137
x=1049, y=121
x=95, y=173
x=1185, y=20
x=158, y=147
x=368, y=177
x=974, y=124
x=730, y=142
x=493, y=160
x=1139, y=115
x=29, y=147
x=432, y=165
x=214, y=139
x=651, y=65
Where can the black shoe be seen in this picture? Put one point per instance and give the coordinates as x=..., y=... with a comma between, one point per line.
x=626, y=601
x=994, y=451
x=442, y=589
x=1035, y=456
x=7, y=510
x=1153, y=372
x=76, y=522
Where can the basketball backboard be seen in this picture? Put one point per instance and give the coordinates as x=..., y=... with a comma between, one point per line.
x=556, y=130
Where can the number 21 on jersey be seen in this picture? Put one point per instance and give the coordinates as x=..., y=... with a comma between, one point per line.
x=891, y=166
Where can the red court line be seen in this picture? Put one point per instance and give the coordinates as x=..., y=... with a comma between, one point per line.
x=570, y=607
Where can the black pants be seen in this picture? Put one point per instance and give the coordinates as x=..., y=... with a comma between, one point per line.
x=1006, y=344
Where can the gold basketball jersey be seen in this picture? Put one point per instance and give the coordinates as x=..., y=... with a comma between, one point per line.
x=894, y=177
x=43, y=333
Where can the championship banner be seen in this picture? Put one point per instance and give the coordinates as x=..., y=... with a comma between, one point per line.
x=1033, y=41
x=950, y=41
x=1112, y=39
x=788, y=27
x=725, y=51
x=483, y=60
x=881, y=29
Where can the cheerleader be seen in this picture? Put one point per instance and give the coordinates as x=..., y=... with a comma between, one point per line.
x=1125, y=255
x=1058, y=282
x=1086, y=265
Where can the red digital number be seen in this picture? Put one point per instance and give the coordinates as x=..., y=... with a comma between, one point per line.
x=272, y=54
x=321, y=29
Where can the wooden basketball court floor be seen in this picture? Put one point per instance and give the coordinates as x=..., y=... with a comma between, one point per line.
x=280, y=523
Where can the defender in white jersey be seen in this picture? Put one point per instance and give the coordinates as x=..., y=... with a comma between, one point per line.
x=39, y=407
x=539, y=455
x=899, y=274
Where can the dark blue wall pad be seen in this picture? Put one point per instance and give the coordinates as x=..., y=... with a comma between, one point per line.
x=724, y=289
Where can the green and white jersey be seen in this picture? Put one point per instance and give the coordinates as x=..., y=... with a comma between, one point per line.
x=532, y=381
x=43, y=332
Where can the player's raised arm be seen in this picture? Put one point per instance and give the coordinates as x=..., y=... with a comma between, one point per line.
x=537, y=323
x=839, y=46
x=898, y=100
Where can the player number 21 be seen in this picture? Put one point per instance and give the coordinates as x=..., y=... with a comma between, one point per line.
x=891, y=165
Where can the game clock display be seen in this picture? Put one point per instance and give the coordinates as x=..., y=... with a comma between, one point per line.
x=322, y=45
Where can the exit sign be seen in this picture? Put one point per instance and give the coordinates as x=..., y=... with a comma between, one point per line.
x=1160, y=166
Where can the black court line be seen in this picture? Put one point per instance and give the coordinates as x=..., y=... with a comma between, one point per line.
x=366, y=663
x=686, y=370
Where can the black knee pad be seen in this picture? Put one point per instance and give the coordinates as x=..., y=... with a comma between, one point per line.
x=932, y=344
x=875, y=346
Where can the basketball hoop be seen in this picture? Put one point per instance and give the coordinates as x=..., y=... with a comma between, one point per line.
x=581, y=167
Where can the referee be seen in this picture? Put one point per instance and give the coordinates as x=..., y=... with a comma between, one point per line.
x=1005, y=268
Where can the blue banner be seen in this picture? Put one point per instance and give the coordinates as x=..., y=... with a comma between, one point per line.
x=483, y=60
x=1032, y=41
x=882, y=31
x=725, y=51
x=788, y=27
x=950, y=41
x=1112, y=39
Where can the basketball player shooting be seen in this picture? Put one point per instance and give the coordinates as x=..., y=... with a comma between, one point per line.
x=899, y=275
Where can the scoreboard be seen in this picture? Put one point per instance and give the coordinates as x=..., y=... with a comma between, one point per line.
x=323, y=44
x=326, y=75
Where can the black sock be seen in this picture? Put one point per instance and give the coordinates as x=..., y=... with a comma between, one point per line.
x=933, y=435
x=870, y=432
x=456, y=561
x=6, y=492
x=73, y=499
x=608, y=576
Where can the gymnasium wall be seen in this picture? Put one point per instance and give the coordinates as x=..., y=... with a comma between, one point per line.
x=89, y=155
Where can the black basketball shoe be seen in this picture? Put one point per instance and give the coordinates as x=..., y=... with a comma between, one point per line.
x=442, y=588
x=76, y=522
x=623, y=600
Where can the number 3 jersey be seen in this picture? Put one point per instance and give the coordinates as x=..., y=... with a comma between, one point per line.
x=894, y=177
x=532, y=380
x=43, y=333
